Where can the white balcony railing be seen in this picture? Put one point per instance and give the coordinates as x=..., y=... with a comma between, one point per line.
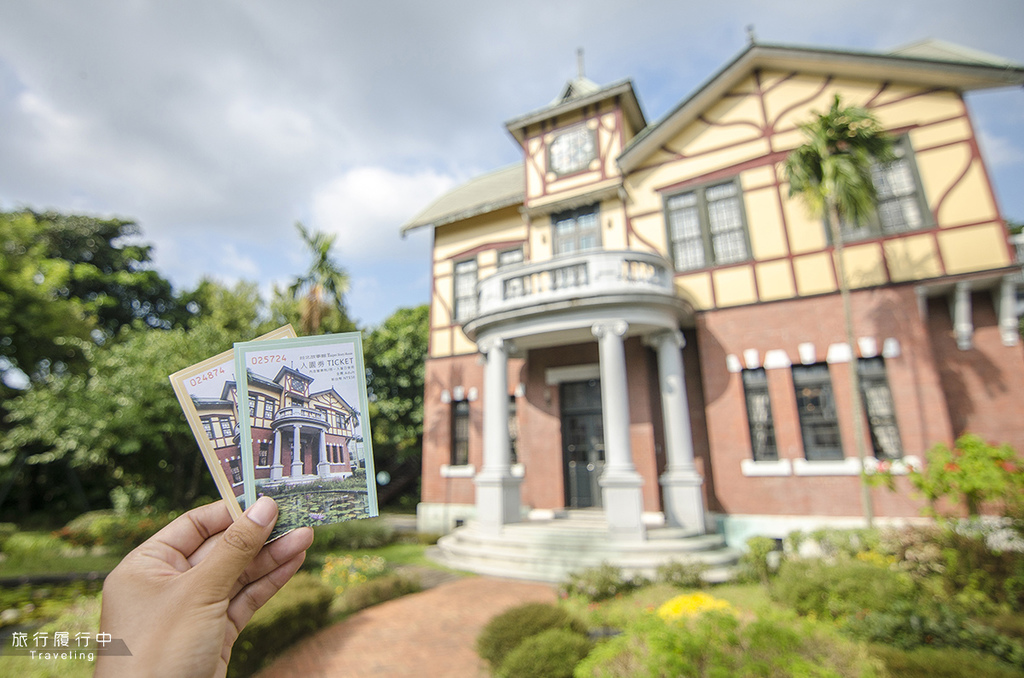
x=300, y=413
x=589, y=274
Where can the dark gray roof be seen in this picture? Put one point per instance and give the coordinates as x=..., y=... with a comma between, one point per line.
x=483, y=194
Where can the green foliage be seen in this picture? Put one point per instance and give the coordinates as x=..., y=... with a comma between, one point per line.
x=321, y=290
x=119, y=532
x=831, y=171
x=754, y=564
x=836, y=590
x=505, y=632
x=973, y=472
x=341, y=573
x=907, y=626
x=33, y=605
x=82, y=616
x=600, y=583
x=37, y=320
x=371, y=533
x=686, y=574
x=299, y=608
x=377, y=590
x=550, y=654
x=721, y=644
x=941, y=663
x=120, y=424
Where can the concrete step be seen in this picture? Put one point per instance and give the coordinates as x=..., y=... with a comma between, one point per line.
x=551, y=550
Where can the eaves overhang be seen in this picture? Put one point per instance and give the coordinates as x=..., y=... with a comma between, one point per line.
x=622, y=89
x=930, y=72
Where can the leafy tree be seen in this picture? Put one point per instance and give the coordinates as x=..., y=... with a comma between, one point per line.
x=38, y=321
x=109, y=271
x=322, y=288
x=832, y=173
x=396, y=352
x=118, y=426
x=237, y=310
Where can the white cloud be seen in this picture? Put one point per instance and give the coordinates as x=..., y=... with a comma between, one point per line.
x=366, y=206
x=999, y=151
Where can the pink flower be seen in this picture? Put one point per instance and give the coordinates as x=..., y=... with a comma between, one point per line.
x=951, y=467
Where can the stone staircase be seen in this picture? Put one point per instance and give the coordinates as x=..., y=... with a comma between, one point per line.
x=549, y=550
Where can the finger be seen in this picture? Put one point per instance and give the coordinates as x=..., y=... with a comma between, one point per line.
x=255, y=595
x=236, y=547
x=274, y=555
x=188, y=531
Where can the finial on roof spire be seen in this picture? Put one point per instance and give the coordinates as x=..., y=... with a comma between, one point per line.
x=751, y=38
x=579, y=62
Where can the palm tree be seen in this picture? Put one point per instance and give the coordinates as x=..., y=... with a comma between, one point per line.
x=832, y=173
x=323, y=286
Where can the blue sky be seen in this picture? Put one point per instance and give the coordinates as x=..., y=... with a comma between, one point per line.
x=216, y=124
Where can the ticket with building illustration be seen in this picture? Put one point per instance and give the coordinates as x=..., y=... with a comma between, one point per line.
x=305, y=434
x=206, y=392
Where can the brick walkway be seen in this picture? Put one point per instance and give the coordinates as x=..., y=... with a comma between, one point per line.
x=425, y=635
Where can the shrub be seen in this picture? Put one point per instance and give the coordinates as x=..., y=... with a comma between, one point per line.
x=376, y=591
x=350, y=535
x=941, y=663
x=754, y=565
x=118, y=532
x=7, y=530
x=973, y=472
x=720, y=644
x=506, y=631
x=906, y=626
x=684, y=574
x=299, y=608
x=838, y=589
x=549, y=654
x=81, y=616
x=601, y=582
x=341, y=572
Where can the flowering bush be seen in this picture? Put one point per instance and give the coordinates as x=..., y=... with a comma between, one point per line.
x=690, y=605
x=341, y=572
x=601, y=582
x=973, y=472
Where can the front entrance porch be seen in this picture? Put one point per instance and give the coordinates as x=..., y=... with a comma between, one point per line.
x=550, y=549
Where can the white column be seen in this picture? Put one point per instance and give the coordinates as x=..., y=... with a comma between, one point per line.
x=276, y=470
x=620, y=483
x=681, y=493
x=323, y=468
x=296, y=458
x=1009, y=328
x=497, y=491
x=963, y=318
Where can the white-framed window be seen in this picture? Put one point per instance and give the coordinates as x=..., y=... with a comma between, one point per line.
x=816, y=407
x=759, y=415
x=900, y=206
x=465, y=290
x=510, y=257
x=879, y=408
x=707, y=226
x=576, y=230
x=460, y=433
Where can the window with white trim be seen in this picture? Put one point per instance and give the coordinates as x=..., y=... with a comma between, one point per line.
x=759, y=415
x=460, y=433
x=706, y=226
x=879, y=408
x=510, y=257
x=576, y=230
x=816, y=407
x=465, y=290
x=899, y=198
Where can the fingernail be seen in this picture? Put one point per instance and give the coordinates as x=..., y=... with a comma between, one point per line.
x=263, y=511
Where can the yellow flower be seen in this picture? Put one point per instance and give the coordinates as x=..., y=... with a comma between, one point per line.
x=691, y=605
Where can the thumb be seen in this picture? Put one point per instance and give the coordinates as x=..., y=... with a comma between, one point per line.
x=237, y=547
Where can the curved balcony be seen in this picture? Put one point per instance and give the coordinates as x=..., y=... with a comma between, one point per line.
x=299, y=415
x=589, y=280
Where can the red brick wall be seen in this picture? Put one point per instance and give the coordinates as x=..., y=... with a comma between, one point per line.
x=921, y=412
x=984, y=385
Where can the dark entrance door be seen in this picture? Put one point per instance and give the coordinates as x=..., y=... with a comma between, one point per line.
x=582, y=442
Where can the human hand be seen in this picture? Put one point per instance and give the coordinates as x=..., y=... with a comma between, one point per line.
x=181, y=598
